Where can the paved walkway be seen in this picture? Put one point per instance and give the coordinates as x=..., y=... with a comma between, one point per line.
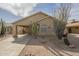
x=12, y=46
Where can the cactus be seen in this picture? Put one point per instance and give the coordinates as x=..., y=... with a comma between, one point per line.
x=35, y=29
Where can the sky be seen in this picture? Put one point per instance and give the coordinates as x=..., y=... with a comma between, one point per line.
x=9, y=11
x=46, y=8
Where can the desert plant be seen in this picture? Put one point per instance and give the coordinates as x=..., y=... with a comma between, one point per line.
x=35, y=29
x=59, y=27
x=3, y=28
x=62, y=14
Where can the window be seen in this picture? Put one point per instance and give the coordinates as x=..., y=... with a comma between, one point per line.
x=43, y=28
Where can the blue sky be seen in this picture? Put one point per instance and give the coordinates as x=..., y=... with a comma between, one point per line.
x=7, y=16
x=10, y=15
x=46, y=8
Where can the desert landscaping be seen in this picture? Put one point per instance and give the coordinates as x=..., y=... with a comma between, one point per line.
x=46, y=30
x=42, y=46
x=51, y=47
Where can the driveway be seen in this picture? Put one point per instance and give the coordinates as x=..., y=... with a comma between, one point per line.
x=73, y=39
x=51, y=47
x=12, y=46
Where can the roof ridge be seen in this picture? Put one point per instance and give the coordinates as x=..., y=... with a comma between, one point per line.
x=32, y=15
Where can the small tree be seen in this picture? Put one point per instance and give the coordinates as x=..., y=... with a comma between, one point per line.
x=62, y=14
x=3, y=28
x=59, y=27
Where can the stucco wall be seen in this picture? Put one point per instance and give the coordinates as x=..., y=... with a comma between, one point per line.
x=46, y=27
x=14, y=30
x=46, y=24
x=74, y=30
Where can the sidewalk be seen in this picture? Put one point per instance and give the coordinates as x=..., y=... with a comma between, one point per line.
x=9, y=48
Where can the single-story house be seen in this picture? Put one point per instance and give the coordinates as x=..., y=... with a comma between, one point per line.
x=73, y=27
x=45, y=21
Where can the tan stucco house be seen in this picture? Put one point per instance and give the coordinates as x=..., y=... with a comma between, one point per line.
x=45, y=21
x=73, y=27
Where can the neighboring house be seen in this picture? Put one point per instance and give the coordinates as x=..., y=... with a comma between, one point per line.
x=45, y=22
x=73, y=27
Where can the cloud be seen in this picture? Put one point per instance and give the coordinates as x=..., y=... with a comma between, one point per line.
x=11, y=7
x=74, y=11
x=29, y=7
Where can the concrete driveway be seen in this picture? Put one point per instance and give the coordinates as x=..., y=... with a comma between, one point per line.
x=12, y=46
x=73, y=39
